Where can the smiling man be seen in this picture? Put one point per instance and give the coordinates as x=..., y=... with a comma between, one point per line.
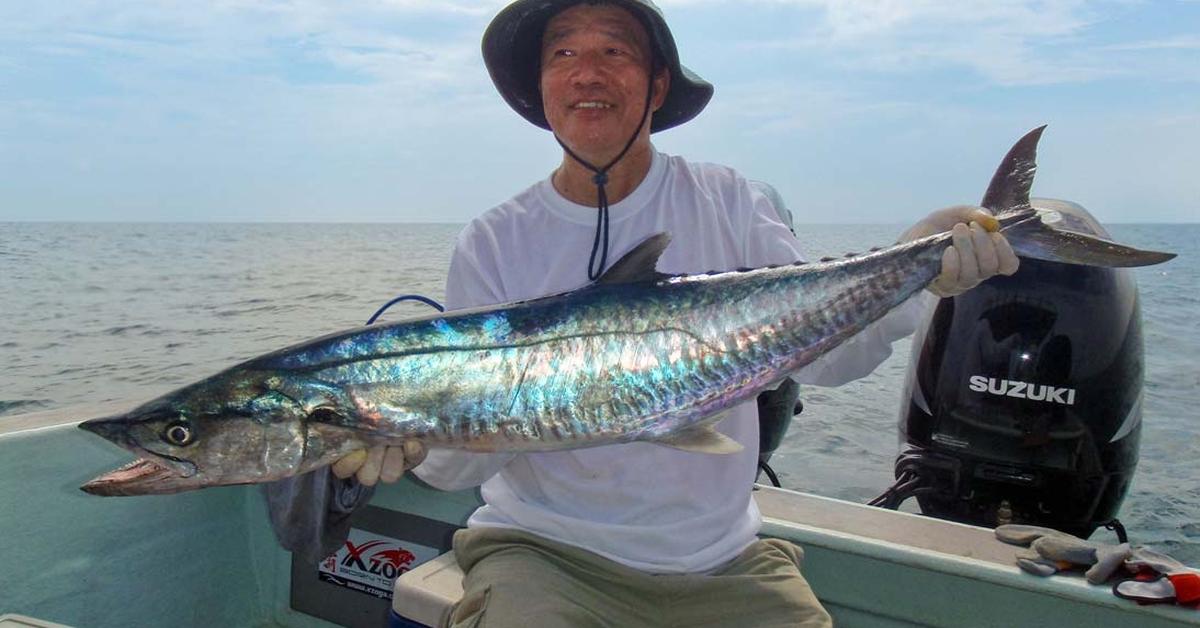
x=595, y=62
x=635, y=534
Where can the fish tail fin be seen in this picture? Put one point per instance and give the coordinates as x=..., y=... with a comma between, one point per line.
x=1032, y=237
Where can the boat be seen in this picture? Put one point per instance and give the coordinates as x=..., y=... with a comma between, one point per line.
x=209, y=558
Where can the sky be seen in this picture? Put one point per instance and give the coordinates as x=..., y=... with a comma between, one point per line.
x=857, y=111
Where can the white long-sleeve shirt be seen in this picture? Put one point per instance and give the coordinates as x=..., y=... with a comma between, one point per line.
x=647, y=506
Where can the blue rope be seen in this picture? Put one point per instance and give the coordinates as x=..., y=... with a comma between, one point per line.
x=406, y=297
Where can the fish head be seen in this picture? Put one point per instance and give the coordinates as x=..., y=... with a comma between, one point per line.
x=239, y=428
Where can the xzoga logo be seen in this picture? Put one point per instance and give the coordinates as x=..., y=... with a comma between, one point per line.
x=388, y=562
x=1022, y=390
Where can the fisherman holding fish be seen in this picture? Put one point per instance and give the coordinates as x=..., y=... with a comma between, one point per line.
x=633, y=534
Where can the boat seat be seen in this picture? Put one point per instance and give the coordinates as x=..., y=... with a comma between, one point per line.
x=425, y=595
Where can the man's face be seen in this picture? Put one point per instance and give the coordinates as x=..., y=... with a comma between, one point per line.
x=595, y=64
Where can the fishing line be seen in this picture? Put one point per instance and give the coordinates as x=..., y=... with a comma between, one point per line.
x=406, y=297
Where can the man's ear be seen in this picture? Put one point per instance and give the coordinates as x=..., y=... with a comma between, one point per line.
x=662, y=83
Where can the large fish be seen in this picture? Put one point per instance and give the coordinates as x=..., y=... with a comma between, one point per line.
x=637, y=356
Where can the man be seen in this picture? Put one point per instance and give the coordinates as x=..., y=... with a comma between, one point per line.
x=635, y=534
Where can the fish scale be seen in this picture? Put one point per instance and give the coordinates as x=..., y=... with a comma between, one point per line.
x=751, y=309
x=620, y=359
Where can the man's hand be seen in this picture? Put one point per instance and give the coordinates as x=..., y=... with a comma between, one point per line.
x=978, y=251
x=381, y=462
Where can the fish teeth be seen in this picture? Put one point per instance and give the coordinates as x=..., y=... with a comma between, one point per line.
x=135, y=463
x=131, y=465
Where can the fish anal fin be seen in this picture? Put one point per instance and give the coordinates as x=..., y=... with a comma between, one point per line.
x=701, y=439
x=639, y=263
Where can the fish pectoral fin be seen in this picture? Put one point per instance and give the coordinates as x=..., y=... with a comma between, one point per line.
x=326, y=443
x=701, y=439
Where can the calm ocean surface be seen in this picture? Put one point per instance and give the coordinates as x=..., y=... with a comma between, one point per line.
x=97, y=312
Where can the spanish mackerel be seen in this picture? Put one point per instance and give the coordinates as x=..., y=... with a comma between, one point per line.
x=636, y=356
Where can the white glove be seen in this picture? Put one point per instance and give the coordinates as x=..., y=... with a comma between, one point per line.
x=978, y=251
x=381, y=462
x=1054, y=551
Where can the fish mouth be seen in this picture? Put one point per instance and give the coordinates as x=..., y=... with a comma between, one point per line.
x=143, y=476
x=152, y=473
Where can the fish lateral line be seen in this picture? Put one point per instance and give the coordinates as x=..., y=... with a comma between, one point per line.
x=499, y=346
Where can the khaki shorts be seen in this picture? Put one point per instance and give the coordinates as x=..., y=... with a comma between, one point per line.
x=519, y=580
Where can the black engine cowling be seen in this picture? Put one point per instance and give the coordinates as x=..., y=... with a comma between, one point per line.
x=1024, y=395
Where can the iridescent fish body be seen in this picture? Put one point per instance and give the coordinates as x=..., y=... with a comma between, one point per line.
x=637, y=356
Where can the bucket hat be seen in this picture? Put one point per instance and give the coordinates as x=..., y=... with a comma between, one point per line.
x=512, y=49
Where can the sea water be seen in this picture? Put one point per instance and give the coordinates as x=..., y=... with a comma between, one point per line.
x=96, y=312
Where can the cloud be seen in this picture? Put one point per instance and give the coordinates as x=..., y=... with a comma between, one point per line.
x=1178, y=42
x=176, y=106
x=1021, y=42
x=232, y=63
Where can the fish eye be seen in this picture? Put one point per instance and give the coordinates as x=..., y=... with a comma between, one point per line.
x=179, y=434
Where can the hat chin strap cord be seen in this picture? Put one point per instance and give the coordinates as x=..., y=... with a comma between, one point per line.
x=600, y=178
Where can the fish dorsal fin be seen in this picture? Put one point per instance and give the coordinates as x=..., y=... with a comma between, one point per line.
x=639, y=263
x=1010, y=185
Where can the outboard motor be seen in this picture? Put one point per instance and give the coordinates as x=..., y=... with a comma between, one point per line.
x=1024, y=396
